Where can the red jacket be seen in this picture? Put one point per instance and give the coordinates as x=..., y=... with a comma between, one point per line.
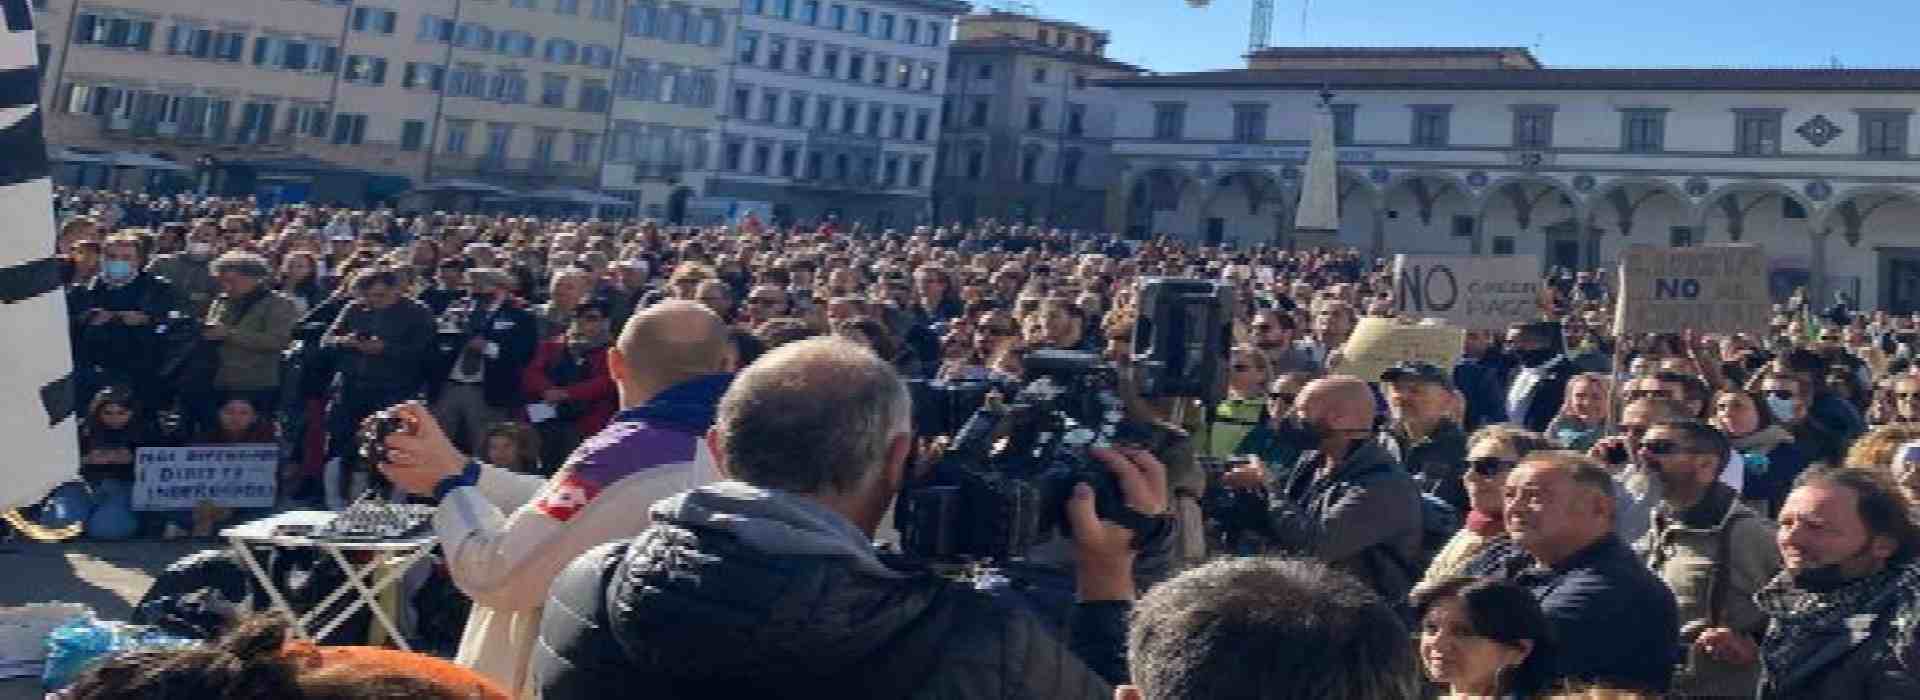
x=596, y=394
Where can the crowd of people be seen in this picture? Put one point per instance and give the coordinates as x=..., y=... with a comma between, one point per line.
x=664, y=457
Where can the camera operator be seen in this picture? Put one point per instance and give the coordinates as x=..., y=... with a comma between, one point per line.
x=1345, y=500
x=769, y=585
x=506, y=535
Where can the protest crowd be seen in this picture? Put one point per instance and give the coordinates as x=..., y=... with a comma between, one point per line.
x=663, y=456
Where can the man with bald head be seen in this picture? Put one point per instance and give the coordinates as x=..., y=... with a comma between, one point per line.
x=1346, y=501
x=506, y=535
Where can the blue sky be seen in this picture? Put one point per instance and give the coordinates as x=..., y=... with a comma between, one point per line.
x=1169, y=36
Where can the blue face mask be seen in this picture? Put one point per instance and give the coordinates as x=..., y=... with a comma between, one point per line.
x=1783, y=409
x=116, y=270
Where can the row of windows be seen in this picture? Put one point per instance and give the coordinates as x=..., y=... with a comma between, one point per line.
x=513, y=42
x=858, y=20
x=654, y=144
x=980, y=109
x=1883, y=133
x=509, y=86
x=859, y=66
x=666, y=83
x=675, y=23
x=598, y=9
x=973, y=166
x=459, y=136
x=984, y=71
x=802, y=110
x=215, y=119
x=818, y=165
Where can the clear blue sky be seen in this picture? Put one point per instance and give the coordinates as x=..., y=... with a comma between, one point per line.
x=1169, y=36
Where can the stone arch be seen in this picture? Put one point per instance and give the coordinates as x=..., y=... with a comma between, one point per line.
x=1159, y=187
x=1850, y=210
x=1498, y=188
x=1597, y=202
x=1425, y=194
x=1704, y=207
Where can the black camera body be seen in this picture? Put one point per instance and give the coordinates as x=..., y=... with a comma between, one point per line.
x=374, y=432
x=1003, y=483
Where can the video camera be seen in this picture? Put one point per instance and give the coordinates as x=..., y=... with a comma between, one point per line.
x=1002, y=485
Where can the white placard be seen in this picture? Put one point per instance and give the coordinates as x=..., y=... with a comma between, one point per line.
x=1471, y=292
x=179, y=478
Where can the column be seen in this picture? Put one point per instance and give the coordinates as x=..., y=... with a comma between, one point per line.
x=1379, y=231
x=1116, y=206
x=1817, y=267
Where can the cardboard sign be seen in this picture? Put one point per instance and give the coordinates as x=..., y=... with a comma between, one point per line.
x=1709, y=289
x=1470, y=292
x=1380, y=343
x=178, y=478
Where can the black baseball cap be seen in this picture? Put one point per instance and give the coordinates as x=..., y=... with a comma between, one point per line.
x=1415, y=370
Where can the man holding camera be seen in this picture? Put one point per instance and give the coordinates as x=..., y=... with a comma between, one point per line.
x=382, y=339
x=485, y=341
x=768, y=584
x=506, y=535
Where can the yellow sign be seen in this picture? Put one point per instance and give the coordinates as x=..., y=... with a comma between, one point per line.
x=1380, y=343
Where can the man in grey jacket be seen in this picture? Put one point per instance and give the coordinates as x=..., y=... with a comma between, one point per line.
x=1346, y=501
x=1714, y=553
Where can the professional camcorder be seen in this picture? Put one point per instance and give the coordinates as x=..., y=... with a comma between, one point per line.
x=1002, y=484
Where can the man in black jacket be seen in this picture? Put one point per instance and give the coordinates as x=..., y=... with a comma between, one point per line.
x=485, y=341
x=1616, y=623
x=381, y=340
x=127, y=325
x=1538, y=386
x=768, y=584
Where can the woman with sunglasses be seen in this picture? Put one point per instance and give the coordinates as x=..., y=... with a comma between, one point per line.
x=1492, y=452
x=1245, y=406
x=1765, y=446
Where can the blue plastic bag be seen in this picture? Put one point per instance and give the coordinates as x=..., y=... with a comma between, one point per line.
x=86, y=640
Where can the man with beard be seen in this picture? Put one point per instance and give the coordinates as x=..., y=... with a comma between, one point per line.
x=1714, y=553
x=1274, y=332
x=1845, y=612
x=1539, y=385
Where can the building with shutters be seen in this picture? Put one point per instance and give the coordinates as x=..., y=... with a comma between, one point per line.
x=1027, y=126
x=329, y=99
x=831, y=108
x=667, y=84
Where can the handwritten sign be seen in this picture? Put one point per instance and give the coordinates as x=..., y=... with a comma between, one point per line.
x=1709, y=289
x=1475, y=293
x=1380, y=343
x=178, y=478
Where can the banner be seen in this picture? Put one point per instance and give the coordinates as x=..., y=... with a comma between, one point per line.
x=1470, y=292
x=179, y=478
x=1380, y=343
x=1709, y=289
x=36, y=368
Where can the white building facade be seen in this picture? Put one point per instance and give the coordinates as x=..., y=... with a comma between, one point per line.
x=831, y=108
x=1483, y=151
x=667, y=88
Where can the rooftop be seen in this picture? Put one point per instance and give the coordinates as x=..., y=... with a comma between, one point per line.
x=1652, y=79
x=1006, y=15
x=1024, y=45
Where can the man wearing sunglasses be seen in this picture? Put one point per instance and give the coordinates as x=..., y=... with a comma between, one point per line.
x=1713, y=552
x=1636, y=491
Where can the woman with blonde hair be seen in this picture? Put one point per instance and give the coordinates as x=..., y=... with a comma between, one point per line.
x=1492, y=452
x=1875, y=450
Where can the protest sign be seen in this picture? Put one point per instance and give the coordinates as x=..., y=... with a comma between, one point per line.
x=1709, y=289
x=1380, y=343
x=178, y=478
x=1474, y=293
